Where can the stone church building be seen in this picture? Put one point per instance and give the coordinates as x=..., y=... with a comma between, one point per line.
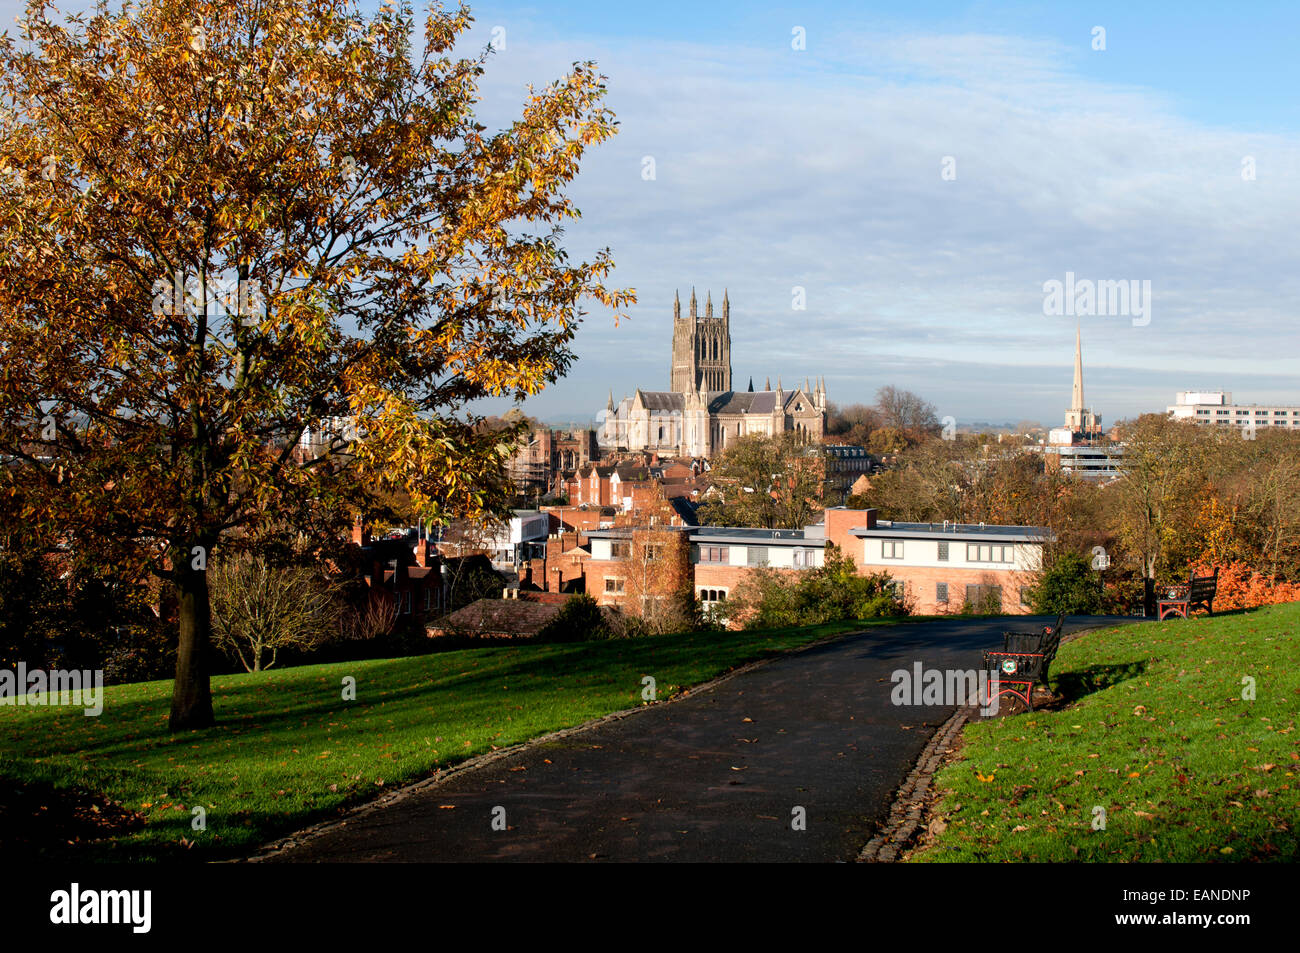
x=701, y=414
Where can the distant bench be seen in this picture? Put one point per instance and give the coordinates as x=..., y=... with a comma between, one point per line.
x=1197, y=593
x=1024, y=660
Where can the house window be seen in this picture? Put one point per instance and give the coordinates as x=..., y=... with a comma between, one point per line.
x=406, y=602
x=620, y=549
x=940, y=592
x=943, y=557
x=712, y=601
x=713, y=554
x=986, y=553
x=757, y=555
x=614, y=585
x=805, y=558
x=653, y=551
x=897, y=589
x=981, y=598
x=1025, y=593
x=891, y=549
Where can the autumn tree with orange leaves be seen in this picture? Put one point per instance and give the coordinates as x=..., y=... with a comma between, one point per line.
x=228, y=225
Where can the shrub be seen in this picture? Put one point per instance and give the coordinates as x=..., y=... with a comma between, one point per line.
x=1069, y=585
x=580, y=619
x=832, y=592
x=1243, y=587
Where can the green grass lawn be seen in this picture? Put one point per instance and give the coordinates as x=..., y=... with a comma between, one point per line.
x=1158, y=735
x=289, y=750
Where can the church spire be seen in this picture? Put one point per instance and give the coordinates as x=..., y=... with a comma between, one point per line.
x=726, y=308
x=708, y=305
x=1076, y=398
x=609, y=405
x=677, y=305
x=693, y=305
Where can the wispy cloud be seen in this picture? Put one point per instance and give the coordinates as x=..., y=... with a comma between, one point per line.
x=821, y=169
x=778, y=168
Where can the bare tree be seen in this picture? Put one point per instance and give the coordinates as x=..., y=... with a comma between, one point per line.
x=374, y=619
x=852, y=424
x=657, y=573
x=913, y=416
x=259, y=609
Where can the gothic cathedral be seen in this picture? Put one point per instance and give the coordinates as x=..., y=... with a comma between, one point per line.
x=701, y=414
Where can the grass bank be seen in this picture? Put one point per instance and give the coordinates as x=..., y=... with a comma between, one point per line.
x=1161, y=734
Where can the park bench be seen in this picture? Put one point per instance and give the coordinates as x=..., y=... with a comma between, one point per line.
x=1197, y=593
x=1025, y=659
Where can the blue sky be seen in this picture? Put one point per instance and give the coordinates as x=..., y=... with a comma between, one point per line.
x=821, y=168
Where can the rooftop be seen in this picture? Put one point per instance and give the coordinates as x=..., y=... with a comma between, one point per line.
x=981, y=531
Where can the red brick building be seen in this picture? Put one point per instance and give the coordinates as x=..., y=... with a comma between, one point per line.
x=938, y=567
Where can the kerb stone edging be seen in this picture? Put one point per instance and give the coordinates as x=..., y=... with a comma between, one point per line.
x=910, y=802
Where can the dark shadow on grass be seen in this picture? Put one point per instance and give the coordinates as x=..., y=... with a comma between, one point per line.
x=1071, y=686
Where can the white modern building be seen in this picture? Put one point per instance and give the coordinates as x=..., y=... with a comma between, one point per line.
x=1217, y=409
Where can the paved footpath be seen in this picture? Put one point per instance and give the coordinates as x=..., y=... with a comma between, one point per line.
x=714, y=777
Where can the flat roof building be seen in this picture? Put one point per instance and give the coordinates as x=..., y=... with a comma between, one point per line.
x=1217, y=409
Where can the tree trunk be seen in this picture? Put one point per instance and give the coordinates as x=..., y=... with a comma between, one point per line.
x=192, y=689
x=1149, y=589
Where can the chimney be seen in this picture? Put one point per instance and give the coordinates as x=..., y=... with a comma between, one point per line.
x=839, y=520
x=360, y=532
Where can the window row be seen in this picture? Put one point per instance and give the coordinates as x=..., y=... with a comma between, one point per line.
x=986, y=553
x=980, y=597
x=975, y=552
x=622, y=549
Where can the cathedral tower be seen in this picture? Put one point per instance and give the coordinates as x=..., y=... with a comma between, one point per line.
x=701, y=347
